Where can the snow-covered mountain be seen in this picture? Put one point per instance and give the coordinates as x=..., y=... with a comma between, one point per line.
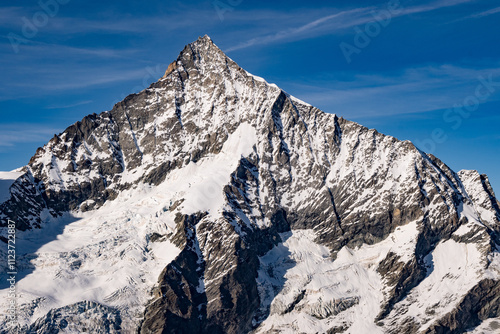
x=214, y=202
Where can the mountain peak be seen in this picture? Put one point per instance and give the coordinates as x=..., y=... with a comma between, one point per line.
x=199, y=55
x=203, y=43
x=214, y=202
x=205, y=38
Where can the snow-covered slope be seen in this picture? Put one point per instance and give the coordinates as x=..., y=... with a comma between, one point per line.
x=214, y=202
x=6, y=180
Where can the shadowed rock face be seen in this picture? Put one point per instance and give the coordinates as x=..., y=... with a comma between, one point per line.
x=307, y=170
x=480, y=303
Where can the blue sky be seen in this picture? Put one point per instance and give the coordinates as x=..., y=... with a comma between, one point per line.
x=405, y=68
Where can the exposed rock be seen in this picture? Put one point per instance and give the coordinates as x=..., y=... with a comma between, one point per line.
x=480, y=303
x=171, y=67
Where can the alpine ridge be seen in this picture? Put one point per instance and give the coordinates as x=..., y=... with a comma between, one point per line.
x=215, y=202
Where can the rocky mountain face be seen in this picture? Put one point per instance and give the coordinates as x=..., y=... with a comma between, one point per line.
x=214, y=202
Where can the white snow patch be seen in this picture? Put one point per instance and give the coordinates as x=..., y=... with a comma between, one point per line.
x=454, y=268
x=299, y=265
x=103, y=256
x=294, y=99
x=6, y=180
x=201, y=184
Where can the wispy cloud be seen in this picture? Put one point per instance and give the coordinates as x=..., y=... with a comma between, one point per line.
x=51, y=50
x=83, y=78
x=57, y=68
x=338, y=22
x=341, y=20
x=16, y=133
x=121, y=25
x=112, y=23
x=484, y=14
x=414, y=90
x=10, y=16
x=72, y=105
x=432, y=6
